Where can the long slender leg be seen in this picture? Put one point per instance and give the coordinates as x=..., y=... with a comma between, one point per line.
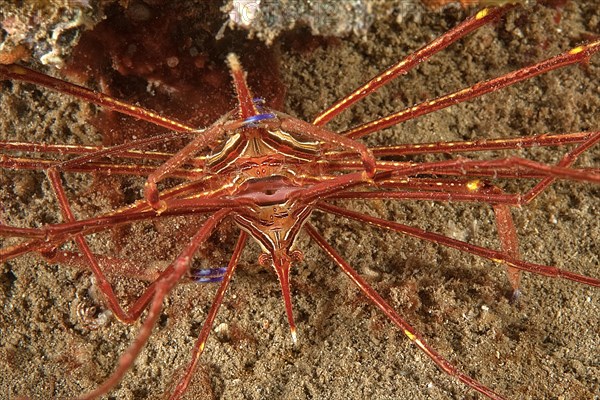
x=510, y=167
x=504, y=221
x=210, y=318
x=20, y=73
x=130, y=169
x=53, y=235
x=567, y=160
x=505, y=226
x=160, y=290
x=573, y=56
x=584, y=141
x=246, y=105
x=500, y=168
x=103, y=283
x=122, y=148
x=544, y=140
x=499, y=198
x=396, y=319
x=493, y=255
x=483, y=17
x=474, y=191
x=62, y=149
x=518, y=167
x=297, y=126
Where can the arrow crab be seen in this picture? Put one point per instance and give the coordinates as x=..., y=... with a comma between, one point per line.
x=304, y=194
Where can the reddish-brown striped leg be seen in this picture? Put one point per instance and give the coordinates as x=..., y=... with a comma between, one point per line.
x=160, y=290
x=461, y=190
x=210, y=318
x=102, y=281
x=504, y=167
x=294, y=125
x=19, y=73
x=51, y=236
x=544, y=140
x=483, y=17
x=397, y=320
x=80, y=150
x=121, y=149
x=131, y=169
x=573, y=56
x=467, y=189
x=511, y=167
x=567, y=160
x=135, y=310
x=493, y=255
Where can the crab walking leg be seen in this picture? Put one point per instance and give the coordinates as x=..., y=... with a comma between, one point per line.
x=123, y=148
x=504, y=220
x=48, y=237
x=136, y=309
x=518, y=167
x=19, y=73
x=543, y=140
x=103, y=283
x=162, y=287
x=512, y=167
x=396, y=319
x=493, y=255
x=573, y=56
x=483, y=17
x=297, y=126
x=77, y=149
x=500, y=198
x=210, y=318
x=204, y=138
x=131, y=169
x=515, y=166
x=471, y=191
x=567, y=160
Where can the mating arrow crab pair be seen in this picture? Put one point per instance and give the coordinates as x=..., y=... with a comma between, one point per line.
x=276, y=179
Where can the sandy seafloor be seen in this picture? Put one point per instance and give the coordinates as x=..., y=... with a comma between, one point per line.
x=544, y=347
